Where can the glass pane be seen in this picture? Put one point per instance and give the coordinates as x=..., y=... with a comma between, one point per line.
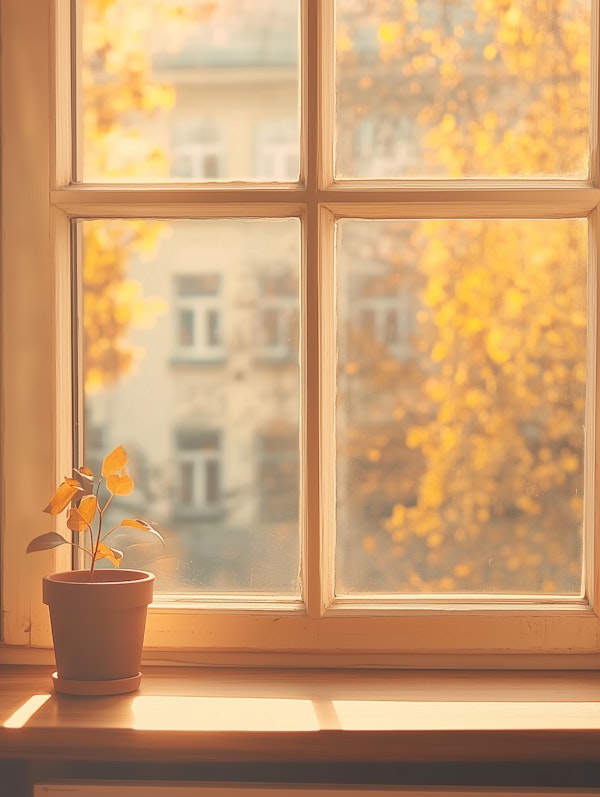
x=188, y=90
x=194, y=402
x=460, y=440
x=462, y=88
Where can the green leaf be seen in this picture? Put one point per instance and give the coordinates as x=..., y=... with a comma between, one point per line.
x=114, y=462
x=136, y=523
x=63, y=496
x=46, y=541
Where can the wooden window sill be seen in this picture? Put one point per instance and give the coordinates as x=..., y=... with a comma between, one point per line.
x=292, y=715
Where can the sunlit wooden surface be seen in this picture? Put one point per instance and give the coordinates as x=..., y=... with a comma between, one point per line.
x=209, y=714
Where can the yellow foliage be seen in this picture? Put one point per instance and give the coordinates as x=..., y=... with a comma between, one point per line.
x=435, y=540
x=374, y=455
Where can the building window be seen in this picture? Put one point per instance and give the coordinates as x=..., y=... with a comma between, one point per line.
x=198, y=318
x=382, y=147
x=278, y=475
x=278, y=321
x=198, y=151
x=444, y=378
x=198, y=473
x=384, y=316
x=277, y=150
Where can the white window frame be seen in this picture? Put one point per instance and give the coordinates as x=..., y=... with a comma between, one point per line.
x=381, y=307
x=39, y=200
x=199, y=458
x=276, y=145
x=209, y=144
x=285, y=307
x=200, y=305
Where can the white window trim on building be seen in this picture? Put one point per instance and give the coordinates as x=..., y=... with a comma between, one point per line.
x=379, y=310
x=200, y=453
x=39, y=200
x=202, y=147
x=284, y=316
x=276, y=150
x=206, y=311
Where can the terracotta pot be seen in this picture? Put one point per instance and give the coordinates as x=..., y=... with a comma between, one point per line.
x=98, y=629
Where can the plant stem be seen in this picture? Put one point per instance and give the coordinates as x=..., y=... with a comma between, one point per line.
x=101, y=511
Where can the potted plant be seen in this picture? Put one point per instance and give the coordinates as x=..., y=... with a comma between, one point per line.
x=97, y=615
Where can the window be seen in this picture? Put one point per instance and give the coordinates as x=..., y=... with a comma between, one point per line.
x=382, y=147
x=278, y=476
x=198, y=472
x=383, y=312
x=198, y=151
x=397, y=338
x=277, y=150
x=198, y=318
x=278, y=316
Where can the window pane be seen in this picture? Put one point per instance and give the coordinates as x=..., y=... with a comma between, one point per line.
x=462, y=88
x=182, y=90
x=460, y=440
x=193, y=402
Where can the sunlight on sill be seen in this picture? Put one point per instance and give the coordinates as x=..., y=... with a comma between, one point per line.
x=24, y=713
x=380, y=715
x=170, y=713
x=293, y=715
x=239, y=714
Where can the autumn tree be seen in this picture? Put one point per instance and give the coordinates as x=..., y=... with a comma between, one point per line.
x=119, y=97
x=477, y=474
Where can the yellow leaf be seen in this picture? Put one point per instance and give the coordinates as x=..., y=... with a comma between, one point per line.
x=374, y=455
x=63, y=496
x=389, y=32
x=142, y=525
x=462, y=570
x=113, y=556
x=344, y=43
x=134, y=523
x=80, y=518
x=448, y=123
x=114, y=462
x=434, y=540
x=119, y=485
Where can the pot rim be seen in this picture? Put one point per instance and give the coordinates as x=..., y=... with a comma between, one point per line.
x=116, y=576
x=119, y=589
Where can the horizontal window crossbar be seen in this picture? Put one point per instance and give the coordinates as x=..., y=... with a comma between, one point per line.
x=485, y=200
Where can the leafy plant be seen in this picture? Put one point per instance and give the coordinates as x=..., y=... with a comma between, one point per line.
x=83, y=495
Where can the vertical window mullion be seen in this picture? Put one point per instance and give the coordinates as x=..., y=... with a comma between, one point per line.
x=591, y=542
x=314, y=88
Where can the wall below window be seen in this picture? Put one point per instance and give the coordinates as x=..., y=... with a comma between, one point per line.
x=17, y=777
